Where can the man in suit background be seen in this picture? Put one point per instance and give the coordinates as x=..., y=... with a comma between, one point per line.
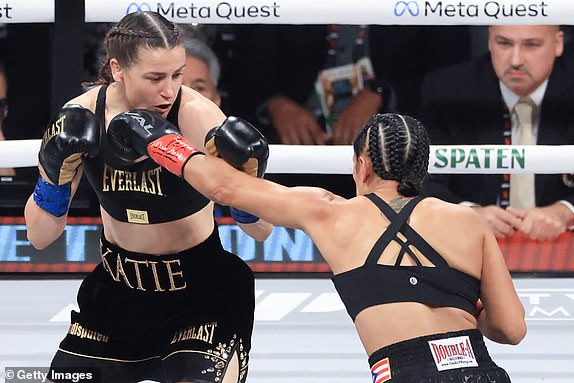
x=479, y=102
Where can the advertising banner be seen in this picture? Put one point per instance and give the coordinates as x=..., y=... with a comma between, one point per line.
x=285, y=251
x=407, y=12
x=26, y=11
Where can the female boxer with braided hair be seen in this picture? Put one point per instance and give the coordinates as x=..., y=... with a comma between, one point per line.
x=166, y=303
x=411, y=270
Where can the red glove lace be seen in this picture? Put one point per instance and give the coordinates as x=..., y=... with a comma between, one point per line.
x=172, y=152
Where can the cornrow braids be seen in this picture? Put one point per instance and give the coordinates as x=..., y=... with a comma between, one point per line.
x=417, y=160
x=378, y=147
x=122, y=32
x=398, y=147
x=136, y=30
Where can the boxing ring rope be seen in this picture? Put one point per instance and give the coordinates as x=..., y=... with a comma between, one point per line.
x=306, y=159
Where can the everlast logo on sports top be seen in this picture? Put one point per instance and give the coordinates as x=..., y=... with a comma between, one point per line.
x=56, y=128
x=204, y=332
x=137, y=216
x=147, y=181
x=145, y=275
x=453, y=353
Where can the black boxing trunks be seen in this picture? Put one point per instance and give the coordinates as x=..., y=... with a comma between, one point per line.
x=453, y=357
x=168, y=318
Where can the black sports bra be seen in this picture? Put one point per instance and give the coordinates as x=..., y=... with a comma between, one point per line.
x=141, y=192
x=374, y=284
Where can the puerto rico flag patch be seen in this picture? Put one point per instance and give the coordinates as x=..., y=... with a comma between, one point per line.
x=381, y=371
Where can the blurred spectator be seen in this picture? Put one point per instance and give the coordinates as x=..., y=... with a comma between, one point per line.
x=222, y=40
x=482, y=102
x=202, y=69
x=3, y=113
x=295, y=74
x=279, y=69
x=94, y=52
x=27, y=62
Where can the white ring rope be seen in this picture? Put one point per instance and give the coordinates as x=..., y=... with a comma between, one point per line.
x=312, y=159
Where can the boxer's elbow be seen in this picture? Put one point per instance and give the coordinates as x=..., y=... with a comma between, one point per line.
x=38, y=239
x=42, y=228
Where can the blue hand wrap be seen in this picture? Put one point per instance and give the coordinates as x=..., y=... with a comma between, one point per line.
x=52, y=198
x=243, y=216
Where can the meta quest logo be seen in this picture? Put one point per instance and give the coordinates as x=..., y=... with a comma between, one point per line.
x=222, y=10
x=458, y=9
x=410, y=7
x=138, y=7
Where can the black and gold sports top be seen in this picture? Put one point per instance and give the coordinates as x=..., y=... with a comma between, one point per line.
x=141, y=192
x=374, y=284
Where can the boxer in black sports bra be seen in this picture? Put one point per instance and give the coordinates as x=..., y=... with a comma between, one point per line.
x=422, y=279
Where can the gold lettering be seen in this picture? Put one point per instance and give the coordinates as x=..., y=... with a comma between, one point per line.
x=129, y=184
x=213, y=326
x=143, y=186
x=155, y=276
x=120, y=271
x=114, y=178
x=121, y=176
x=105, y=179
x=82, y=332
x=137, y=216
x=148, y=182
x=171, y=274
x=56, y=128
x=107, y=267
x=176, y=337
x=157, y=172
x=137, y=269
x=206, y=336
x=204, y=332
x=135, y=183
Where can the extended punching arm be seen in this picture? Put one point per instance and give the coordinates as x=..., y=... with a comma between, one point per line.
x=71, y=135
x=241, y=145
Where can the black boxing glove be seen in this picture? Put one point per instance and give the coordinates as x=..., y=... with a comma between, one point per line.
x=71, y=135
x=143, y=133
x=240, y=144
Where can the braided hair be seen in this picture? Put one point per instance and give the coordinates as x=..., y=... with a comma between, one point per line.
x=135, y=30
x=398, y=147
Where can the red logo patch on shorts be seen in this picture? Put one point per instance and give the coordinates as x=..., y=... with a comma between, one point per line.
x=453, y=353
